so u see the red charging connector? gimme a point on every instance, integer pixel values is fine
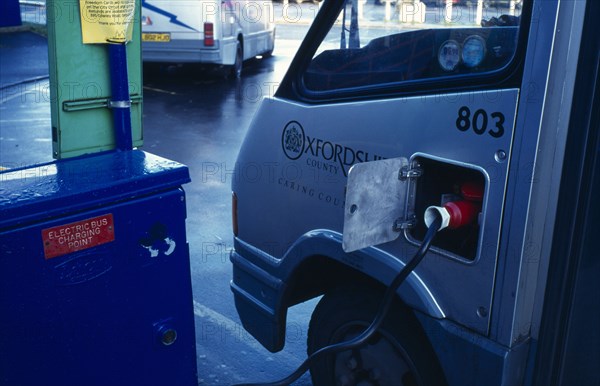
(456, 214)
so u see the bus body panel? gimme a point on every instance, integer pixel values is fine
(313, 177)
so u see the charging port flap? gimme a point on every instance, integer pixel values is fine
(378, 196)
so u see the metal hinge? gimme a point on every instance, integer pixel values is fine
(410, 172)
(405, 173)
(402, 224)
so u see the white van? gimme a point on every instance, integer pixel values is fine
(207, 31)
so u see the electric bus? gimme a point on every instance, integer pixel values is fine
(490, 117)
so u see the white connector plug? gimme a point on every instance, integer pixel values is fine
(432, 212)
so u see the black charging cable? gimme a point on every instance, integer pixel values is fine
(386, 304)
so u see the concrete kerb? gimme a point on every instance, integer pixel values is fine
(24, 81)
(39, 29)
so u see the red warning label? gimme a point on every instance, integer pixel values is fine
(77, 236)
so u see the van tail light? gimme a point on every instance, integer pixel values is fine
(234, 213)
(209, 34)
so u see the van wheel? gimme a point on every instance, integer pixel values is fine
(236, 69)
(399, 354)
(269, 53)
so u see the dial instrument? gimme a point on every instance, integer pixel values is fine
(473, 51)
(449, 55)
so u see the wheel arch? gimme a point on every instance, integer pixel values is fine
(317, 263)
(319, 274)
(265, 287)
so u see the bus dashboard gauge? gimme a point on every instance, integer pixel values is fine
(449, 55)
(473, 51)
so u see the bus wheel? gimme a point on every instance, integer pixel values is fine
(399, 354)
(236, 69)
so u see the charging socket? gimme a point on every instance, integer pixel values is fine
(447, 185)
(388, 198)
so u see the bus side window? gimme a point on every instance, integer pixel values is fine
(359, 53)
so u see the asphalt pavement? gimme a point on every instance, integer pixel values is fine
(24, 57)
(25, 129)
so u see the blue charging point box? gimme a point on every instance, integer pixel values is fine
(10, 13)
(95, 284)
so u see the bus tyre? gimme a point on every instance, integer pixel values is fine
(236, 69)
(399, 354)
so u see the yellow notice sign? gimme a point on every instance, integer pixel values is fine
(104, 21)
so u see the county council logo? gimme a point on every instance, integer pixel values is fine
(292, 140)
